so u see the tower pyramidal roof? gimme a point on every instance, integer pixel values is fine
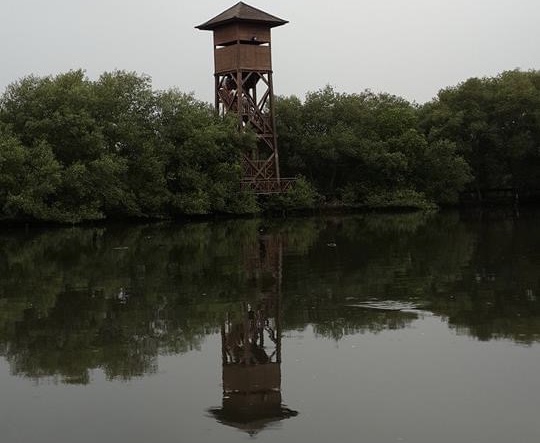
(242, 12)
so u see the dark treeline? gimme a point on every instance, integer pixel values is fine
(72, 149)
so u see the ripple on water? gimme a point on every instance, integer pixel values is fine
(386, 305)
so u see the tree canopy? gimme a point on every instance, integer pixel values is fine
(73, 149)
(367, 149)
(495, 124)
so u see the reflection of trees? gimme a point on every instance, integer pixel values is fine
(78, 299)
(86, 329)
(72, 300)
(409, 258)
(497, 294)
(350, 320)
(114, 298)
(482, 277)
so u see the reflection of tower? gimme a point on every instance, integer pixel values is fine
(251, 347)
(243, 86)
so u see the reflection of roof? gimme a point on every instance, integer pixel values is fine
(242, 12)
(252, 423)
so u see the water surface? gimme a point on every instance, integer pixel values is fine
(375, 328)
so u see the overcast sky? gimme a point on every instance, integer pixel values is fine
(410, 48)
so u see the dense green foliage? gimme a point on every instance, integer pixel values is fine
(367, 149)
(495, 123)
(72, 149)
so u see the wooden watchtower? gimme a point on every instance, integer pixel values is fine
(243, 86)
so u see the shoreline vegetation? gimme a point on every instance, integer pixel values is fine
(73, 150)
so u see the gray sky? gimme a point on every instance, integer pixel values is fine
(410, 48)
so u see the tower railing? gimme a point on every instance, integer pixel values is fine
(268, 186)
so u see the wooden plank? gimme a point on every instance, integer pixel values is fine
(242, 57)
(241, 32)
(255, 378)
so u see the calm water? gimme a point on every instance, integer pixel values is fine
(371, 328)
